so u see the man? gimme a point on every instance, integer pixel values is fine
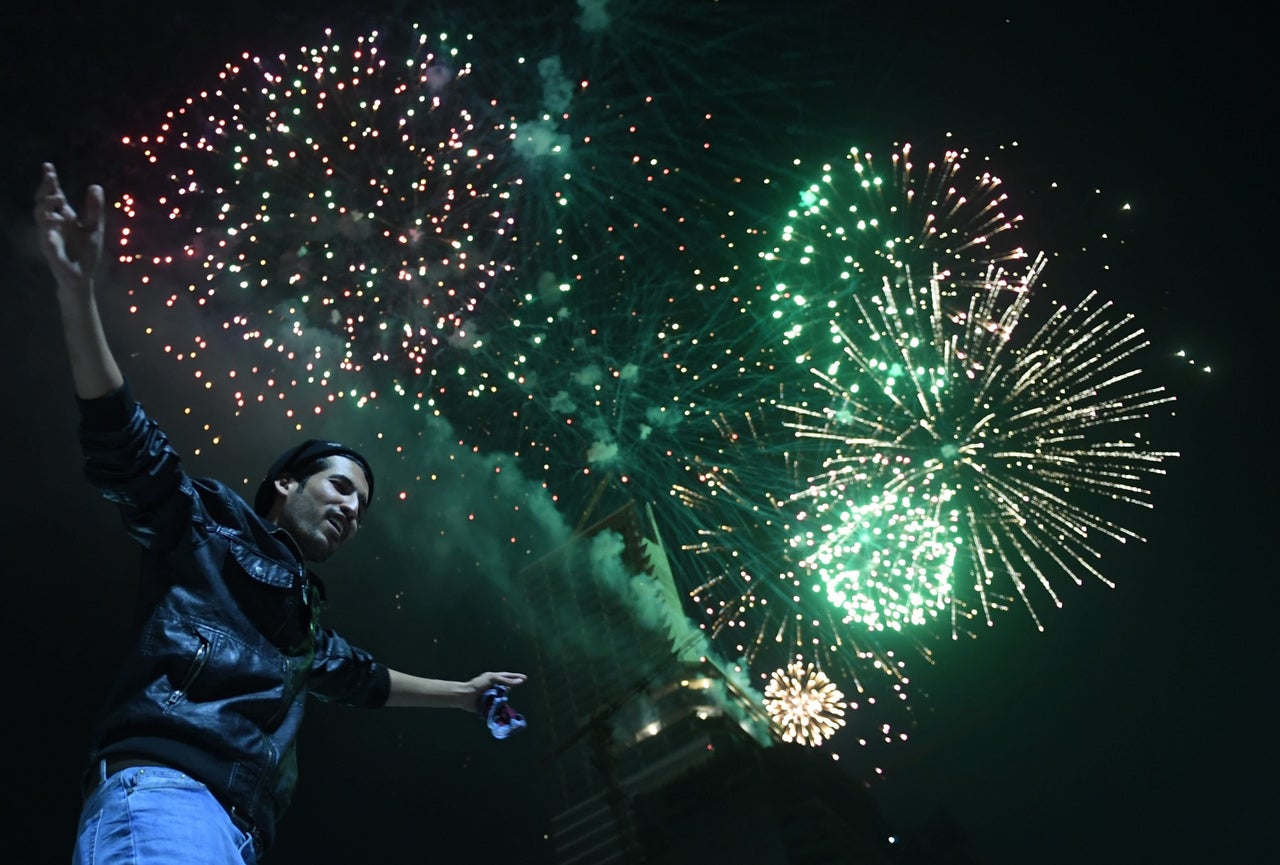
(194, 757)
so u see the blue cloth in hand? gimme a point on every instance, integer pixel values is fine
(498, 714)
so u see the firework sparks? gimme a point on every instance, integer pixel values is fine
(755, 598)
(955, 452)
(1005, 441)
(807, 706)
(885, 563)
(848, 424)
(857, 225)
(786, 572)
(339, 209)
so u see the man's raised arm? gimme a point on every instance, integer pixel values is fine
(72, 245)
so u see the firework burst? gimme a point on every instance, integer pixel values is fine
(335, 210)
(805, 705)
(903, 434)
(779, 571)
(858, 224)
(848, 423)
(755, 598)
(1001, 442)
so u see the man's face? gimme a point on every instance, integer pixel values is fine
(324, 512)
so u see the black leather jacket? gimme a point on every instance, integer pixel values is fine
(228, 641)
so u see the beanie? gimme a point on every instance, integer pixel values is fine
(299, 457)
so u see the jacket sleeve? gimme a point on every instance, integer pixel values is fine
(343, 673)
(130, 461)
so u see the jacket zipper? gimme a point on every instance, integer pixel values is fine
(197, 664)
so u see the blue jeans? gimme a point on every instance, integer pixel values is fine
(153, 815)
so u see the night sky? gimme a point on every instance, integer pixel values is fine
(1130, 729)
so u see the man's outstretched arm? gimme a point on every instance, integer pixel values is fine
(407, 690)
(72, 245)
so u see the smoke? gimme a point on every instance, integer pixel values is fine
(656, 605)
(562, 403)
(594, 17)
(463, 522)
(557, 90)
(602, 452)
(589, 376)
(542, 137)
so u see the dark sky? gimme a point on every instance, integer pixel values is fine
(1131, 729)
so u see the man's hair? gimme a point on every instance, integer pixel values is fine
(301, 462)
(302, 473)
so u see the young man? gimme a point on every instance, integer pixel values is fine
(193, 759)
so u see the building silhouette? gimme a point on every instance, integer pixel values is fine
(654, 749)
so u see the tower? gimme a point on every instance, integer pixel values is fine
(631, 694)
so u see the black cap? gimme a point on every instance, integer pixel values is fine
(299, 457)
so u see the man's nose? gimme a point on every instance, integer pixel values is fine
(351, 509)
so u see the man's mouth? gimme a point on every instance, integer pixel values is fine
(338, 526)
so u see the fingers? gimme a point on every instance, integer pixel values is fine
(508, 679)
(51, 205)
(93, 209)
(71, 243)
(48, 181)
(52, 208)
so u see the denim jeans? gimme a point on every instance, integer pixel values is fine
(153, 815)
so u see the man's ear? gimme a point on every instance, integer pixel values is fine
(284, 486)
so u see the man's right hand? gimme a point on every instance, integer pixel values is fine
(71, 242)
